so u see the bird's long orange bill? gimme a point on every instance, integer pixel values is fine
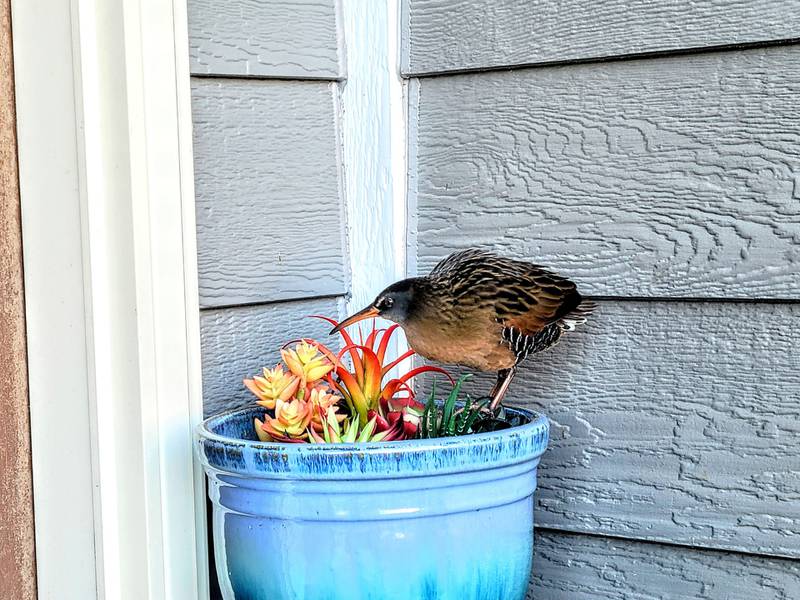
(367, 313)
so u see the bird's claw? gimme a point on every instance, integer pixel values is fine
(499, 411)
(492, 420)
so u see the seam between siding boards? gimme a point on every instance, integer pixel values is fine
(272, 302)
(264, 77)
(604, 59)
(664, 543)
(697, 299)
(655, 299)
(597, 298)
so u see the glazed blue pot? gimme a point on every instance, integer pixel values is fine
(444, 519)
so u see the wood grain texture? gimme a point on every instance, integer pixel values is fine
(443, 35)
(280, 38)
(270, 222)
(17, 548)
(677, 177)
(238, 342)
(672, 421)
(577, 567)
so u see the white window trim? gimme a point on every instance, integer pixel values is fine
(105, 149)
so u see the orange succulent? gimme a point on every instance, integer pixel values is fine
(306, 362)
(322, 401)
(290, 421)
(276, 384)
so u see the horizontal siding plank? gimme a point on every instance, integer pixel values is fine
(677, 177)
(576, 567)
(283, 38)
(268, 187)
(672, 421)
(238, 342)
(442, 35)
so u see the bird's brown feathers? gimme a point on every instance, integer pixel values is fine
(519, 294)
(490, 312)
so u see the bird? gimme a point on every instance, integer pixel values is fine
(482, 310)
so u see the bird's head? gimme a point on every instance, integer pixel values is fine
(394, 304)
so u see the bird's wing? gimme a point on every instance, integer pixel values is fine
(532, 302)
(459, 261)
(523, 295)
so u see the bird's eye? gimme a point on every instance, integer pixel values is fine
(385, 303)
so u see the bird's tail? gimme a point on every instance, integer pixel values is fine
(578, 315)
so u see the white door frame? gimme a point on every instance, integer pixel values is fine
(106, 185)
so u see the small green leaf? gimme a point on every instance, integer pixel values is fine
(378, 437)
(366, 433)
(428, 422)
(461, 419)
(448, 412)
(351, 433)
(449, 405)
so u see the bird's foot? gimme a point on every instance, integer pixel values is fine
(486, 402)
(491, 419)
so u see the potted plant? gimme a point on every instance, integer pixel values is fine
(338, 484)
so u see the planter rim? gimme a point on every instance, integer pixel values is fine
(406, 458)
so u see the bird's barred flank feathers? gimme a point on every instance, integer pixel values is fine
(519, 343)
(523, 345)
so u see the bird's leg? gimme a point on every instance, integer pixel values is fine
(500, 388)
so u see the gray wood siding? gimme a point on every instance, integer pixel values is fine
(676, 177)
(672, 421)
(443, 35)
(239, 342)
(651, 152)
(269, 190)
(269, 183)
(577, 567)
(283, 38)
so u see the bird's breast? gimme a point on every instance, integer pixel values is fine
(481, 350)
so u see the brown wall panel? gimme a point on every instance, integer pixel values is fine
(17, 568)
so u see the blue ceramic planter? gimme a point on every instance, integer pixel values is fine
(444, 519)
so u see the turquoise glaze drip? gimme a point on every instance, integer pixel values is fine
(444, 519)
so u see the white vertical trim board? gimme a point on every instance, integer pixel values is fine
(398, 120)
(111, 292)
(47, 131)
(373, 132)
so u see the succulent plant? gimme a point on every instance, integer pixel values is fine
(318, 396)
(275, 384)
(449, 419)
(299, 399)
(290, 423)
(346, 433)
(362, 385)
(306, 362)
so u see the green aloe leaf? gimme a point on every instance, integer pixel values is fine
(469, 425)
(448, 419)
(461, 418)
(428, 424)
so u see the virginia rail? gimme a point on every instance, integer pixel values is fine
(481, 310)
